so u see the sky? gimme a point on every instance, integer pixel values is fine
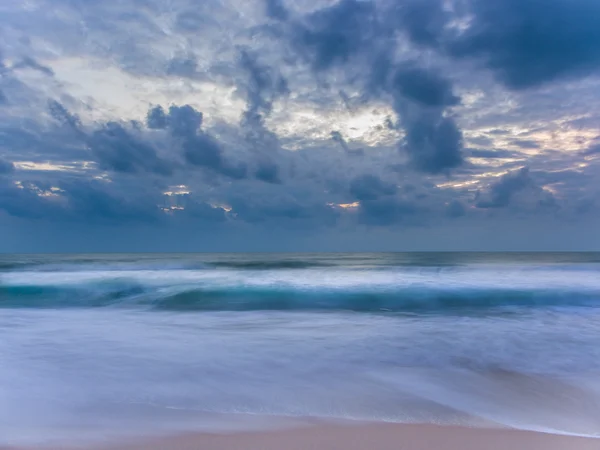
(299, 125)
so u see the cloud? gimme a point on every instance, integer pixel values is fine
(433, 140)
(6, 167)
(199, 148)
(370, 187)
(284, 209)
(491, 154)
(333, 35)
(92, 201)
(275, 9)
(268, 172)
(184, 121)
(118, 149)
(421, 20)
(592, 150)
(352, 34)
(30, 63)
(517, 183)
(250, 97)
(455, 209)
(525, 42)
(186, 67)
(263, 87)
(156, 119)
(387, 210)
(423, 86)
(63, 116)
(77, 200)
(25, 202)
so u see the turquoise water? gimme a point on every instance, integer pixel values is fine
(95, 345)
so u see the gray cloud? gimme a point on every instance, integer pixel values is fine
(119, 150)
(275, 9)
(114, 147)
(199, 148)
(370, 187)
(502, 193)
(186, 67)
(422, 86)
(528, 42)
(78, 200)
(455, 209)
(525, 43)
(433, 140)
(6, 167)
(332, 35)
(492, 154)
(352, 33)
(413, 56)
(30, 63)
(268, 172)
(263, 87)
(388, 210)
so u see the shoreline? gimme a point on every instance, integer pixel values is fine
(374, 436)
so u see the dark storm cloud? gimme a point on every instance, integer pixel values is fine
(283, 210)
(387, 210)
(503, 190)
(184, 121)
(117, 149)
(275, 9)
(333, 35)
(200, 210)
(520, 182)
(157, 119)
(268, 172)
(63, 116)
(199, 148)
(420, 20)
(525, 42)
(433, 140)
(530, 42)
(263, 87)
(92, 201)
(25, 203)
(352, 34)
(78, 200)
(114, 147)
(370, 187)
(354, 49)
(422, 86)
(455, 209)
(6, 167)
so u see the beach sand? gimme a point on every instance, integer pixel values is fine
(361, 437)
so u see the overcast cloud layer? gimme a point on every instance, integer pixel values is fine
(299, 125)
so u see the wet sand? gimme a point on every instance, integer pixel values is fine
(361, 437)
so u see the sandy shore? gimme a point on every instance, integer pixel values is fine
(363, 437)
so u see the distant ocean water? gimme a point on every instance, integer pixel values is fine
(96, 345)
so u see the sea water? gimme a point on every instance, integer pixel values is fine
(100, 346)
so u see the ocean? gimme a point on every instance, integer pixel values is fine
(95, 346)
